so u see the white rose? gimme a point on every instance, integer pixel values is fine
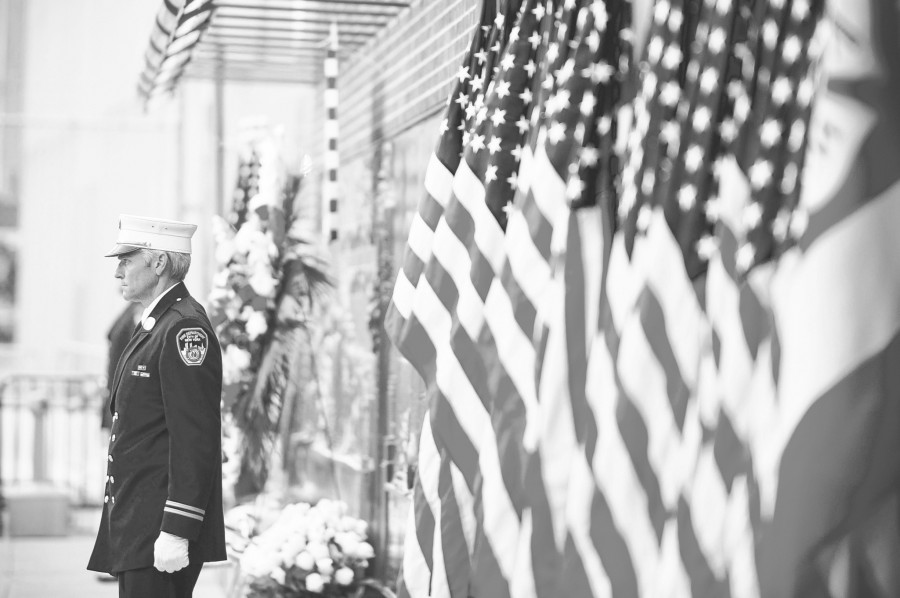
(234, 361)
(305, 561)
(347, 541)
(362, 527)
(292, 547)
(218, 295)
(232, 310)
(317, 549)
(278, 575)
(258, 562)
(315, 583)
(325, 566)
(224, 251)
(344, 576)
(316, 535)
(263, 283)
(256, 325)
(365, 551)
(250, 560)
(348, 523)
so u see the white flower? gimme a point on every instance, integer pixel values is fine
(278, 575)
(256, 324)
(317, 549)
(218, 295)
(365, 551)
(234, 362)
(232, 308)
(263, 283)
(225, 250)
(292, 547)
(305, 561)
(362, 527)
(316, 532)
(258, 561)
(325, 566)
(348, 541)
(344, 576)
(315, 583)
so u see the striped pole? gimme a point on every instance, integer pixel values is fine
(329, 188)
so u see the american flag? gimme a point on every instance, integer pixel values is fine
(433, 558)
(466, 514)
(555, 244)
(666, 377)
(663, 368)
(828, 460)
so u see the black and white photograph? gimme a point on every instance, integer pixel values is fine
(449, 299)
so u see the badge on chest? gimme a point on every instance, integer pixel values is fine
(192, 345)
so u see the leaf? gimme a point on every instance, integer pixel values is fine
(258, 408)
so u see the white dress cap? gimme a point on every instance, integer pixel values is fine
(138, 232)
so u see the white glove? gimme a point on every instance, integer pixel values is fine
(170, 553)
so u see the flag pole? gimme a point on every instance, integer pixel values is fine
(329, 187)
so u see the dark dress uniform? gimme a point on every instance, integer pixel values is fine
(165, 463)
(119, 336)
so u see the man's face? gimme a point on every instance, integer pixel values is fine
(138, 277)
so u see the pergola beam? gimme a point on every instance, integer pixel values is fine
(282, 40)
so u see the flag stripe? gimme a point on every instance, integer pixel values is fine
(831, 268)
(423, 359)
(582, 565)
(654, 322)
(849, 424)
(635, 438)
(426, 530)
(644, 382)
(459, 446)
(612, 549)
(703, 581)
(629, 497)
(415, 579)
(454, 548)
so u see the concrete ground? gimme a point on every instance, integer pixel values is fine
(53, 567)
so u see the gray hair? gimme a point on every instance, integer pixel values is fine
(179, 263)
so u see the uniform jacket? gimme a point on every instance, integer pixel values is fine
(164, 469)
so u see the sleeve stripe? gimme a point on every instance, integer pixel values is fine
(178, 505)
(182, 513)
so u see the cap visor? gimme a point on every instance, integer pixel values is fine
(122, 250)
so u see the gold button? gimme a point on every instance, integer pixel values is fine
(106, 499)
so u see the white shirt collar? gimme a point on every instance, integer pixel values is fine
(150, 307)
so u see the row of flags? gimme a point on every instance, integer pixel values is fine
(652, 288)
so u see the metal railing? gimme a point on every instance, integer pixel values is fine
(50, 433)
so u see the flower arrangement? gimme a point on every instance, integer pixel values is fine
(259, 306)
(307, 551)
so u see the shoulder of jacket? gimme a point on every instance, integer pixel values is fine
(189, 308)
(186, 317)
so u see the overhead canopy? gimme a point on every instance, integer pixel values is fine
(257, 40)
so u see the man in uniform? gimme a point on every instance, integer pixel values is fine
(162, 514)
